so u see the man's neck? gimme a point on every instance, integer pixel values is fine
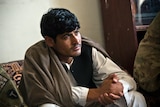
(66, 59)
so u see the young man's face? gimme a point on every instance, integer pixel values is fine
(68, 44)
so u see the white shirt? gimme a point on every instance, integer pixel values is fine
(102, 67)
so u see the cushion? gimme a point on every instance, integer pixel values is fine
(14, 70)
(147, 60)
(9, 91)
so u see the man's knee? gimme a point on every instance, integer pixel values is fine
(136, 99)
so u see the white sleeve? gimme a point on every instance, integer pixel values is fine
(48, 105)
(103, 67)
(80, 95)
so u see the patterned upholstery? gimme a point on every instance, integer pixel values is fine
(10, 76)
(14, 69)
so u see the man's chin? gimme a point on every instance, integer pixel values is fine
(76, 54)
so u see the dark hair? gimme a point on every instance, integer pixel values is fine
(58, 21)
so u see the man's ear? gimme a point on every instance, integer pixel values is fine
(49, 41)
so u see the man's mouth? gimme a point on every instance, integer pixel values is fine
(77, 47)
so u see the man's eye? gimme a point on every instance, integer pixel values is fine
(76, 32)
(66, 36)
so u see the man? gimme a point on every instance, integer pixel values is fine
(68, 70)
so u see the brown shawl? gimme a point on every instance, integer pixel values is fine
(44, 78)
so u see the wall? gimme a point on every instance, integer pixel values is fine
(89, 15)
(19, 23)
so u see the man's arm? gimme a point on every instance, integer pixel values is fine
(110, 90)
(103, 67)
(121, 81)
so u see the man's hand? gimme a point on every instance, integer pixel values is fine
(111, 90)
(112, 85)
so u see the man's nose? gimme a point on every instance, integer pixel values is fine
(75, 38)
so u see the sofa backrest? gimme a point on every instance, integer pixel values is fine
(10, 76)
(14, 69)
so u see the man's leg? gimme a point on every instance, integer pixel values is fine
(132, 99)
(118, 103)
(135, 99)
